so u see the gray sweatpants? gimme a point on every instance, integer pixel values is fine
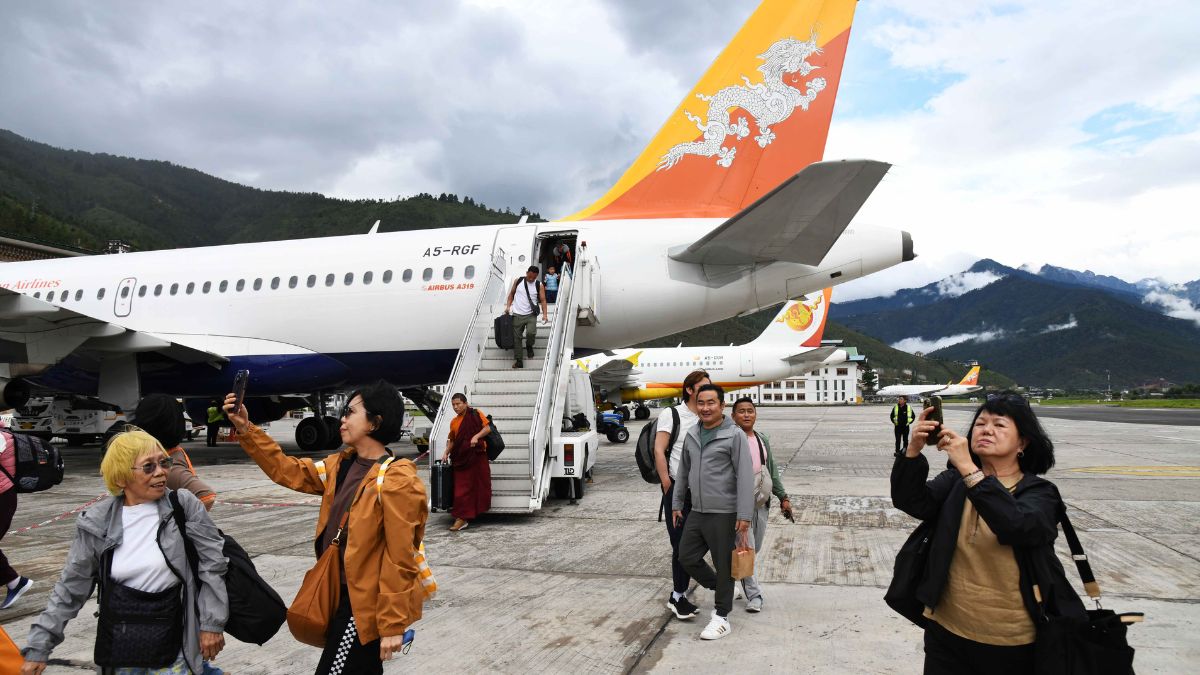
(759, 527)
(705, 533)
(526, 323)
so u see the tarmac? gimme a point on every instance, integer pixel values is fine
(581, 588)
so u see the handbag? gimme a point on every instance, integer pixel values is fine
(312, 609)
(762, 480)
(137, 628)
(908, 573)
(742, 564)
(10, 654)
(1095, 645)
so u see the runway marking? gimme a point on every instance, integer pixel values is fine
(1166, 471)
(59, 517)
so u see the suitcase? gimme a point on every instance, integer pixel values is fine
(441, 484)
(504, 331)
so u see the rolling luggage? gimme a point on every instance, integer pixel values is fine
(441, 486)
(504, 331)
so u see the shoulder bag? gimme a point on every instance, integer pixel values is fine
(1091, 645)
(762, 481)
(908, 573)
(137, 629)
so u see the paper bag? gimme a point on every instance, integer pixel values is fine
(743, 558)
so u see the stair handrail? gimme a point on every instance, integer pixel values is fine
(470, 353)
(542, 424)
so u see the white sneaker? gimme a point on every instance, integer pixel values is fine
(739, 593)
(717, 628)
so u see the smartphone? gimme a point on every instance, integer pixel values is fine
(789, 514)
(239, 388)
(934, 402)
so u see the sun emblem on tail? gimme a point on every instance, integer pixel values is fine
(769, 102)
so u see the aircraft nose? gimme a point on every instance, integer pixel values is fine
(907, 246)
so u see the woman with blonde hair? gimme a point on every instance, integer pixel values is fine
(132, 547)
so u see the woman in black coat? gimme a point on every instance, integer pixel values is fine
(992, 552)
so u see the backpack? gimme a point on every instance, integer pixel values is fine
(39, 465)
(495, 442)
(255, 610)
(643, 450)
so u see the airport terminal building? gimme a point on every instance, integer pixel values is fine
(830, 384)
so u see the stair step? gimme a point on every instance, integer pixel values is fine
(502, 363)
(508, 387)
(505, 405)
(508, 375)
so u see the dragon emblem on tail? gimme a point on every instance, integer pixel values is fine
(770, 102)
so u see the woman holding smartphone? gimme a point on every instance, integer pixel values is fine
(381, 593)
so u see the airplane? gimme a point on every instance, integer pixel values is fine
(969, 384)
(789, 345)
(707, 223)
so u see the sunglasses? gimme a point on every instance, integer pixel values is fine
(150, 467)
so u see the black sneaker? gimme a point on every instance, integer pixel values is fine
(529, 352)
(16, 592)
(682, 608)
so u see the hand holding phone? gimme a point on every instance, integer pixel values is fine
(935, 415)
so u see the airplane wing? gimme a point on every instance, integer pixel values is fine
(37, 334)
(615, 374)
(799, 221)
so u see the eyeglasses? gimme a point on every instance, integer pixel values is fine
(150, 467)
(347, 410)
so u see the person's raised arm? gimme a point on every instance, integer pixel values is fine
(299, 474)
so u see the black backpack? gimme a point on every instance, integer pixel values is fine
(39, 465)
(495, 442)
(643, 450)
(255, 610)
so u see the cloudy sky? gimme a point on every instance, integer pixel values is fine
(1027, 131)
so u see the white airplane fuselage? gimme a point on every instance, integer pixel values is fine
(298, 334)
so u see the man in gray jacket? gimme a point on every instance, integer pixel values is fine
(717, 469)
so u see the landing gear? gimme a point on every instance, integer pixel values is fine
(334, 427)
(623, 411)
(641, 412)
(312, 434)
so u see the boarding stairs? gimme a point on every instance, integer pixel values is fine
(526, 404)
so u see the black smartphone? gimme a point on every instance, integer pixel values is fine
(934, 402)
(239, 388)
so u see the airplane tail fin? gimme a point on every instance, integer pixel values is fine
(972, 377)
(800, 323)
(758, 116)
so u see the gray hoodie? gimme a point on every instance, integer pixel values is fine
(99, 529)
(720, 474)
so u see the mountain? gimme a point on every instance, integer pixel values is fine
(82, 199)
(1046, 333)
(978, 275)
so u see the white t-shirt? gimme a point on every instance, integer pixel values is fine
(521, 301)
(138, 562)
(687, 420)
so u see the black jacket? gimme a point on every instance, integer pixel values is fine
(1026, 519)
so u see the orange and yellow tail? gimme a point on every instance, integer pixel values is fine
(758, 116)
(972, 377)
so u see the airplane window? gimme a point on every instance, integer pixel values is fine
(274, 283)
(223, 286)
(469, 272)
(367, 277)
(387, 276)
(407, 276)
(125, 292)
(142, 291)
(38, 295)
(207, 286)
(241, 284)
(258, 284)
(157, 290)
(427, 274)
(50, 296)
(174, 289)
(312, 280)
(448, 273)
(100, 294)
(348, 279)
(190, 287)
(329, 279)
(292, 281)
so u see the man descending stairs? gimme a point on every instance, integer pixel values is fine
(524, 299)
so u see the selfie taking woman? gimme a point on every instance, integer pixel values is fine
(996, 522)
(131, 544)
(383, 507)
(468, 457)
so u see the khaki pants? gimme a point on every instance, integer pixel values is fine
(523, 323)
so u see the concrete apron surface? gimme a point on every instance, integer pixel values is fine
(582, 588)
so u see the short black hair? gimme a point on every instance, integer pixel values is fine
(161, 416)
(532, 268)
(744, 399)
(459, 397)
(385, 408)
(712, 387)
(1038, 456)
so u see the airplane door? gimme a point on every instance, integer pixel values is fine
(123, 302)
(517, 243)
(747, 363)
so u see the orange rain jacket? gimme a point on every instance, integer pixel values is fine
(382, 533)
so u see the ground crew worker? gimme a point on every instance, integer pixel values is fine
(902, 417)
(214, 423)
